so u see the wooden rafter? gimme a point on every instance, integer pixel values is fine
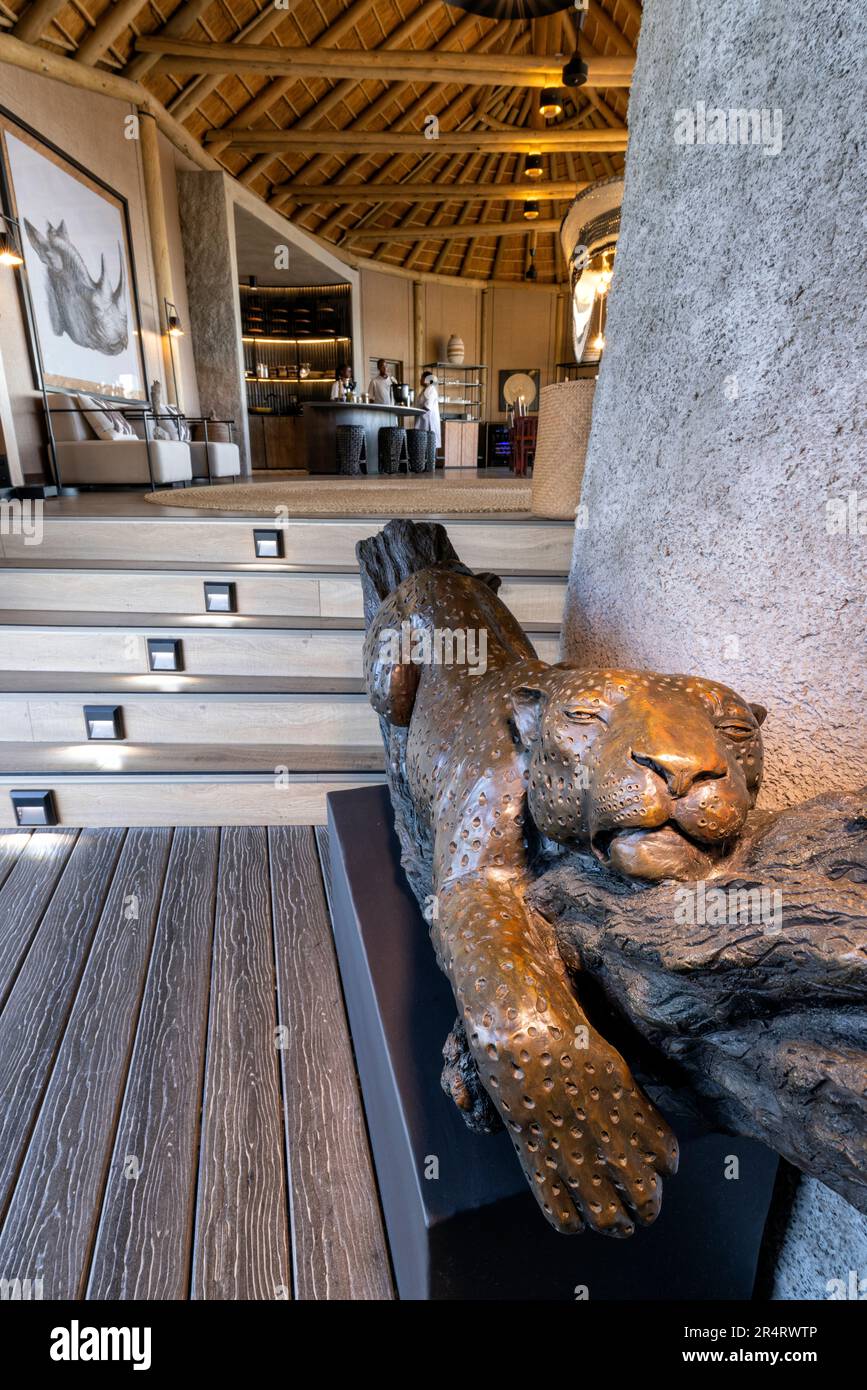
(321, 107)
(184, 56)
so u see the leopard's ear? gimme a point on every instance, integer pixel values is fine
(760, 712)
(528, 702)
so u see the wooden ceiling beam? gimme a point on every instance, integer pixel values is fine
(611, 139)
(262, 104)
(433, 65)
(454, 231)
(36, 19)
(183, 21)
(416, 192)
(107, 30)
(419, 106)
(258, 28)
(606, 25)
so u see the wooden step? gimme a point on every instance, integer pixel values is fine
(208, 646)
(59, 761)
(184, 799)
(525, 545)
(334, 720)
(536, 601)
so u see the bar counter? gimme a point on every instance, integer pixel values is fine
(310, 440)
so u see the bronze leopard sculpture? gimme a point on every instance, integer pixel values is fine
(655, 774)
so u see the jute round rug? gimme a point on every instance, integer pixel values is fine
(377, 496)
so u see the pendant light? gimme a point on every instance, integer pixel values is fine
(531, 209)
(550, 102)
(533, 166)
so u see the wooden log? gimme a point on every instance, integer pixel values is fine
(416, 192)
(418, 325)
(47, 64)
(36, 19)
(109, 27)
(336, 141)
(531, 70)
(455, 231)
(753, 982)
(156, 212)
(184, 19)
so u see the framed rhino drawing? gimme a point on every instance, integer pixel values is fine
(75, 238)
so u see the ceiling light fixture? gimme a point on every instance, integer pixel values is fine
(533, 166)
(575, 70)
(550, 103)
(531, 210)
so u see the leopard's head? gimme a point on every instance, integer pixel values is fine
(656, 773)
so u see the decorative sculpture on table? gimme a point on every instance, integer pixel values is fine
(651, 779)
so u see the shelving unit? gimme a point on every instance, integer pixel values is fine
(294, 339)
(461, 391)
(468, 380)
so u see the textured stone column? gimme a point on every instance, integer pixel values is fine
(728, 426)
(208, 231)
(724, 485)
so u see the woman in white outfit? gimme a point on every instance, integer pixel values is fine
(429, 402)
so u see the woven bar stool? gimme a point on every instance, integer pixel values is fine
(392, 449)
(351, 450)
(431, 452)
(419, 445)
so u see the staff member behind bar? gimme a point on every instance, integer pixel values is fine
(380, 386)
(342, 383)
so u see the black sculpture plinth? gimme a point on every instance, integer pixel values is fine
(474, 1231)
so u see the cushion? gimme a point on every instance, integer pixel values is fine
(105, 422)
(176, 427)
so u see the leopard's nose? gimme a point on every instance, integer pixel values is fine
(680, 771)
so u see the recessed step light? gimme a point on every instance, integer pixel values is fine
(269, 544)
(34, 808)
(220, 598)
(165, 654)
(104, 722)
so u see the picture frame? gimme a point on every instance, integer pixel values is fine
(79, 288)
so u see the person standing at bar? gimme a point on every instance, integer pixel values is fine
(342, 383)
(429, 401)
(379, 389)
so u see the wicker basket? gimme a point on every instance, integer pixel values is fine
(561, 448)
(217, 434)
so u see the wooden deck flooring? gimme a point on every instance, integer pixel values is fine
(179, 1111)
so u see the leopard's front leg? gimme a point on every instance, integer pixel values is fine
(591, 1144)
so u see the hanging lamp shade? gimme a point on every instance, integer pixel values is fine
(550, 102)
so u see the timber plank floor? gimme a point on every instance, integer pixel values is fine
(179, 1110)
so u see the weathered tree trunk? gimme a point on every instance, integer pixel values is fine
(763, 1010)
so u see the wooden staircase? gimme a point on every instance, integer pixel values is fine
(265, 711)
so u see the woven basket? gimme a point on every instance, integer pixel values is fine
(561, 448)
(217, 434)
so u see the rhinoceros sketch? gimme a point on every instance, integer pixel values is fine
(92, 313)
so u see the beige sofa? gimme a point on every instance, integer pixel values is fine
(85, 460)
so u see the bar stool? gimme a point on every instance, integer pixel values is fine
(351, 450)
(419, 444)
(392, 449)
